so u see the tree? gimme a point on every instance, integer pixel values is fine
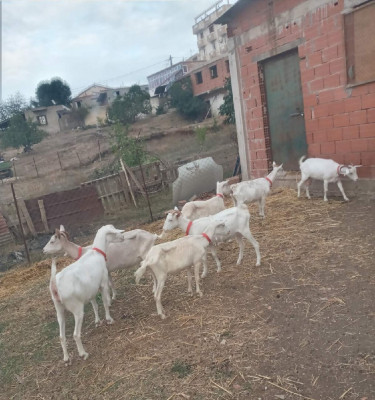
(55, 91)
(21, 133)
(13, 105)
(227, 108)
(126, 108)
(182, 97)
(129, 149)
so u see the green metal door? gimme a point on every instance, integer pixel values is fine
(282, 80)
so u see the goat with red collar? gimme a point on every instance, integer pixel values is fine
(327, 171)
(237, 226)
(255, 190)
(175, 256)
(78, 283)
(126, 254)
(203, 208)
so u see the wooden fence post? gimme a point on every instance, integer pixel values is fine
(127, 180)
(43, 215)
(36, 169)
(26, 214)
(58, 156)
(100, 154)
(20, 222)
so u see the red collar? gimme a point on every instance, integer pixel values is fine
(207, 237)
(220, 195)
(188, 227)
(101, 252)
(79, 253)
(269, 180)
(339, 169)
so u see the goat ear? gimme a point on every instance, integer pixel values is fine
(62, 229)
(176, 208)
(57, 233)
(274, 164)
(344, 170)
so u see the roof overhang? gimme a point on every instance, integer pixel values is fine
(231, 12)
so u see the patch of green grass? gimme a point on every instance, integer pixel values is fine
(3, 325)
(181, 368)
(50, 329)
(9, 366)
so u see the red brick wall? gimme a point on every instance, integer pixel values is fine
(208, 83)
(339, 121)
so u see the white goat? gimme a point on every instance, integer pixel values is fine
(255, 190)
(129, 253)
(79, 283)
(236, 221)
(327, 171)
(203, 208)
(174, 256)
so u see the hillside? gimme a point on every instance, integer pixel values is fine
(65, 160)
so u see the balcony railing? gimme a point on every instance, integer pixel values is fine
(211, 37)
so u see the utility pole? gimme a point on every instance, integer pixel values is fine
(170, 60)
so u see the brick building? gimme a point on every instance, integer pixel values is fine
(303, 81)
(208, 82)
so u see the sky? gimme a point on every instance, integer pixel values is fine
(110, 42)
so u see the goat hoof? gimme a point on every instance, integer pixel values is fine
(84, 355)
(200, 294)
(110, 321)
(98, 323)
(68, 362)
(162, 316)
(257, 264)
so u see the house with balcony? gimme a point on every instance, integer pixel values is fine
(211, 37)
(159, 82)
(96, 99)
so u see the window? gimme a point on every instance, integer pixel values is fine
(201, 35)
(184, 69)
(227, 66)
(213, 72)
(214, 45)
(117, 93)
(198, 78)
(211, 28)
(78, 104)
(42, 119)
(360, 51)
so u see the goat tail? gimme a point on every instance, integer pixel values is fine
(301, 160)
(140, 272)
(53, 284)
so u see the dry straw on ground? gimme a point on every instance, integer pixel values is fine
(283, 329)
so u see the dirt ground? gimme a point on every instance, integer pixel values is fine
(301, 326)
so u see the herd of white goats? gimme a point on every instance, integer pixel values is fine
(205, 223)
